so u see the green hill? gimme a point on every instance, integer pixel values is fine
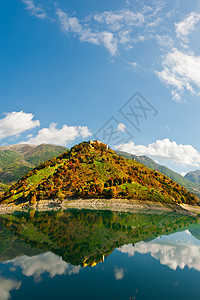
(192, 185)
(90, 170)
(193, 176)
(17, 160)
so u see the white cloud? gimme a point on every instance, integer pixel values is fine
(112, 29)
(116, 30)
(181, 71)
(155, 23)
(176, 96)
(133, 65)
(126, 23)
(85, 34)
(167, 150)
(177, 250)
(121, 127)
(7, 285)
(84, 131)
(116, 20)
(165, 41)
(53, 135)
(118, 273)
(185, 27)
(109, 42)
(47, 262)
(35, 10)
(15, 123)
(180, 68)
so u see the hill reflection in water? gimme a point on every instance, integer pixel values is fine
(85, 237)
(55, 247)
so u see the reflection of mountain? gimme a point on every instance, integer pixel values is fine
(85, 237)
(177, 250)
(11, 246)
(195, 231)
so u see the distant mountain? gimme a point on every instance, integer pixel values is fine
(192, 185)
(193, 176)
(90, 170)
(17, 160)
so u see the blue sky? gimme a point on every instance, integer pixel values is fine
(68, 67)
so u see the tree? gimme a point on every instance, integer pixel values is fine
(33, 199)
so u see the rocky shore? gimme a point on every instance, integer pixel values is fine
(125, 205)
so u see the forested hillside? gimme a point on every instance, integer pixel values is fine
(93, 171)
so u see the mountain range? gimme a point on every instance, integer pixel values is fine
(90, 170)
(193, 176)
(191, 180)
(17, 160)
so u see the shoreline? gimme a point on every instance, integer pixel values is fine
(123, 205)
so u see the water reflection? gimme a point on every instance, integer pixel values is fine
(176, 250)
(6, 286)
(47, 262)
(119, 273)
(59, 248)
(83, 237)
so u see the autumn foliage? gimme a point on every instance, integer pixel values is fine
(92, 171)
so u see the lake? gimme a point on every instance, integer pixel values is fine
(88, 254)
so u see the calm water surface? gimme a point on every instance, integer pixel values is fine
(83, 254)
